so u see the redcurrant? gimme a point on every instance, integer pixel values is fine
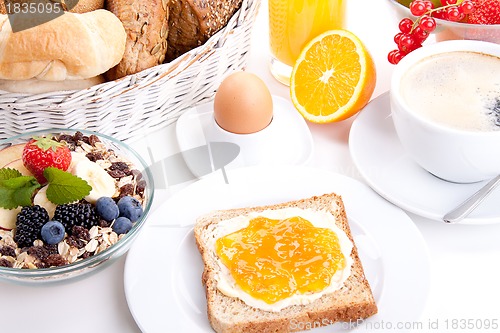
(397, 37)
(395, 56)
(466, 7)
(406, 43)
(428, 5)
(418, 7)
(405, 25)
(427, 23)
(453, 14)
(419, 35)
(440, 14)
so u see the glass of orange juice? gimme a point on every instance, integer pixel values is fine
(293, 23)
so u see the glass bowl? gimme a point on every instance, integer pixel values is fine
(447, 30)
(94, 263)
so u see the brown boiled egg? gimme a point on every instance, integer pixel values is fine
(243, 104)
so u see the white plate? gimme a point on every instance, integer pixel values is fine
(287, 140)
(389, 170)
(163, 268)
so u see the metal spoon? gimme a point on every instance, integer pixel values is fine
(466, 207)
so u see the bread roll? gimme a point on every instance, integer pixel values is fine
(35, 86)
(72, 46)
(146, 24)
(82, 6)
(193, 22)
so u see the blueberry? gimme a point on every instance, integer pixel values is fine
(52, 232)
(130, 208)
(107, 208)
(122, 225)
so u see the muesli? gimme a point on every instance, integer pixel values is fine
(63, 199)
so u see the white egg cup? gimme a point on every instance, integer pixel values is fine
(254, 147)
(285, 141)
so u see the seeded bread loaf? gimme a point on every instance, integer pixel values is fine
(227, 314)
(193, 22)
(146, 24)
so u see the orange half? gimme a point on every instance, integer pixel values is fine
(333, 77)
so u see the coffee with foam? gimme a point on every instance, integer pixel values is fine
(459, 89)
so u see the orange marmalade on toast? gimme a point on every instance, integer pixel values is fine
(283, 257)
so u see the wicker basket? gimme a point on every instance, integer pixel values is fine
(130, 107)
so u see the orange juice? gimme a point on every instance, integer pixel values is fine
(292, 23)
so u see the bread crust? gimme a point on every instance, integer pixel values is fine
(85, 6)
(352, 302)
(72, 46)
(193, 22)
(146, 23)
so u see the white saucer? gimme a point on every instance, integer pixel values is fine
(387, 168)
(286, 141)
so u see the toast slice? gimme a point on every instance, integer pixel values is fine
(229, 314)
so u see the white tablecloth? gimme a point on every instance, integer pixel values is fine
(465, 259)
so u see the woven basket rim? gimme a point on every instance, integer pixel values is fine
(140, 80)
(146, 101)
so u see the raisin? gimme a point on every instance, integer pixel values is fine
(93, 139)
(116, 173)
(127, 189)
(80, 236)
(75, 242)
(85, 255)
(81, 233)
(5, 263)
(141, 186)
(122, 166)
(52, 248)
(41, 264)
(94, 156)
(39, 252)
(65, 137)
(85, 139)
(78, 136)
(104, 224)
(136, 173)
(55, 260)
(7, 251)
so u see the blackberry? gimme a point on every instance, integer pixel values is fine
(79, 214)
(29, 222)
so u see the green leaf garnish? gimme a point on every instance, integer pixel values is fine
(15, 189)
(8, 173)
(64, 187)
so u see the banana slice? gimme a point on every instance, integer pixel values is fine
(8, 218)
(103, 185)
(42, 200)
(75, 159)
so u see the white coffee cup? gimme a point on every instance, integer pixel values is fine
(448, 152)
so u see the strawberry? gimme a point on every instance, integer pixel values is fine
(485, 12)
(40, 153)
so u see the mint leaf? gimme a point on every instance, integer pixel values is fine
(8, 173)
(17, 191)
(64, 187)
